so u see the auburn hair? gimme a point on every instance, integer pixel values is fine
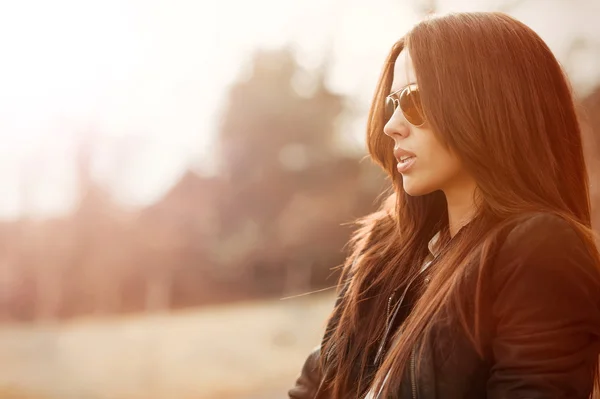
(492, 92)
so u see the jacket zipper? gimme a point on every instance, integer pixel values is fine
(413, 375)
(389, 323)
(381, 351)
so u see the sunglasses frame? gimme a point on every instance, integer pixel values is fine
(396, 102)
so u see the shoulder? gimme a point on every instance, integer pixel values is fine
(537, 234)
(543, 246)
(540, 227)
(544, 310)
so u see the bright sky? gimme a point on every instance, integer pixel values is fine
(146, 78)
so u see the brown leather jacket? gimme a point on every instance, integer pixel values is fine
(544, 327)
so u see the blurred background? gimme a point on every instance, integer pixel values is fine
(177, 175)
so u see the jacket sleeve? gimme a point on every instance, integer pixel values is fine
(308, 382)
(546, 310)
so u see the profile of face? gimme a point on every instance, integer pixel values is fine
(425, 163)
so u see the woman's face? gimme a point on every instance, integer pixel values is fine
(432, 166)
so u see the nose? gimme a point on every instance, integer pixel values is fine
(397, 126)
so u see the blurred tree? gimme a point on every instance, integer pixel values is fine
(287, 186)
(270, 135)
(271, 132)
(93, 273)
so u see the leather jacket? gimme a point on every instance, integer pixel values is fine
(543, 327)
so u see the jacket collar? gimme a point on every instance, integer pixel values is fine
(433, 245)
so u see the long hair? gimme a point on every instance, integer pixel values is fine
(493, 93)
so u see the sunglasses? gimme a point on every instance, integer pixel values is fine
(409, 101)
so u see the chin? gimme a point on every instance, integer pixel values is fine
(414, 189)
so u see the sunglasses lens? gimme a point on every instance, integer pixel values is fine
(410, 103)
(390, 107)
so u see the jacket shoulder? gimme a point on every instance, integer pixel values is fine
(543, 248)
(543, 235)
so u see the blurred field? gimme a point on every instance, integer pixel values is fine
(251, 350)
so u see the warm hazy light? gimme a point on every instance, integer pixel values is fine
(158, 296)
(155, 71)
(147, 80)
(115, 68)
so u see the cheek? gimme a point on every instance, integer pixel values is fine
(445, 167)
(438, 155)
(436, 167)
(444, 163)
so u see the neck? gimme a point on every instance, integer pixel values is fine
(461, 205)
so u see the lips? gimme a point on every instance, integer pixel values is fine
(406, 160)
(402, 155)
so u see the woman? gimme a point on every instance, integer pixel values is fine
(479, 277)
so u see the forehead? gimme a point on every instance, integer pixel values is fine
(404, 73)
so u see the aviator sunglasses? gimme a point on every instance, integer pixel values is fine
(409, 102)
